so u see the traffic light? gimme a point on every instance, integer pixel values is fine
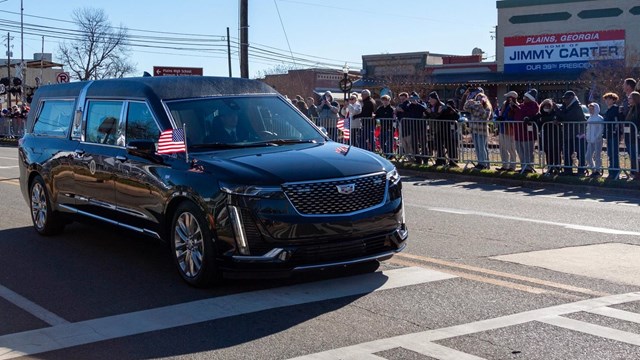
(5, 81)
(17, 81)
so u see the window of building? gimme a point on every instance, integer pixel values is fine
(54, 119)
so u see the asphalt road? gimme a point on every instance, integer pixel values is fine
(491, 272)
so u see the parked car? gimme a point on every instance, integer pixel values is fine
(236, 179)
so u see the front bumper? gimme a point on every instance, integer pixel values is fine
(287, 260)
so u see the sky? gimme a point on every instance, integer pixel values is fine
(323, 34)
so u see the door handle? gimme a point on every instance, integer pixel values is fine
(121, 158)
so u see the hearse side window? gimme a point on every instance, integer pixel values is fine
(54, 119)
(140, 123)
(102, 122)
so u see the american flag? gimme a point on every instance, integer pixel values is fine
(343, 150)
(171, 141)
(345, 127)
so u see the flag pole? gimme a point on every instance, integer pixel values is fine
(186, 148)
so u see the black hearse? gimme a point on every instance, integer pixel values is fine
(243, 184)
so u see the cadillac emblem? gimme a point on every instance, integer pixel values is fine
(346, 189)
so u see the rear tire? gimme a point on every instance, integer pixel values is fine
(45, 220)
(192, 246)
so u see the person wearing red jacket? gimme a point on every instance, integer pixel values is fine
(525, 136)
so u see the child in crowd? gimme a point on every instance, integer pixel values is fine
(595, 128)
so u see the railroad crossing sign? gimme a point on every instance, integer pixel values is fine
(63, 77)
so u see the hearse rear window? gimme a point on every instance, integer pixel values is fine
(54, 119)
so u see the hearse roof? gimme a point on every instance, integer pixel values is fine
(163, 88)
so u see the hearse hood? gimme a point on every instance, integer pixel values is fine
(290, 163)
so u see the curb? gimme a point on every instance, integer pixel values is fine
(549, 185)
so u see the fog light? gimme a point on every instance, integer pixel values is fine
(238, 229)
(284, 256)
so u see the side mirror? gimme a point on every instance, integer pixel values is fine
(141, 147)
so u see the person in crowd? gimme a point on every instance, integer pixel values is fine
(384, 115)
(612, 133)
(420, 138)
(350, 111)
(408, 112)
(506, 132)
(524, 137)
(595, 129)
(572, 119)
(480, 109)
(551, 134)
(451, 113)
(302, 105)
(328, 114)
(633, 116)
(366, 119)
(312, 109)
(628, 86)
(439, 128)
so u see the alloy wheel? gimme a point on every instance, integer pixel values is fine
(38, 205)
(189, 244)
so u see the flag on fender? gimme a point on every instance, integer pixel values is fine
(171, 141)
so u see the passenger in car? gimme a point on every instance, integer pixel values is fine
(227, 127)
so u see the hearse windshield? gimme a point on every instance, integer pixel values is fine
(222, 123)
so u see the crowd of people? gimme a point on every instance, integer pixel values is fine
(572, 143)
(12, 120)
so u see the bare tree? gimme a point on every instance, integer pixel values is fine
(604, 76)
(100, 50)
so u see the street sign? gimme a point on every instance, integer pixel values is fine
(63, 77)
(176, 71)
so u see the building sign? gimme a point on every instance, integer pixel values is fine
(562, 52)
(176, 71)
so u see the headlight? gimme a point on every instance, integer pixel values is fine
(393, 177)
(251, 190)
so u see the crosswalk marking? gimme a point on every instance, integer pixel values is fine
(617, 314)
(31, 307)
(593, 329)
(85, 332)
(423, 342)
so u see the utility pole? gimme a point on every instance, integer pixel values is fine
(23, 70)
(9, 69)
(229, 51)
(244, 39)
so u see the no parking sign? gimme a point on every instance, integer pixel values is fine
(63, 77)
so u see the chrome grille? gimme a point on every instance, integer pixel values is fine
(323, 198)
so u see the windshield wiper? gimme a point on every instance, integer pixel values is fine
(216, 145)
(277, 142)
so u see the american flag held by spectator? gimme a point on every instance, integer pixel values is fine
(344, 126)
(171, 141)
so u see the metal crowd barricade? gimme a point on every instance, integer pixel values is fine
(566, 146)
(429, 140)
(330, 125)
(505, 143)
(11, 127)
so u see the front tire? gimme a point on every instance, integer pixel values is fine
(191, 246)
(45, 220)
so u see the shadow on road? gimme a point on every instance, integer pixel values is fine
(577, 193)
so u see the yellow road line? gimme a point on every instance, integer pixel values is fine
(11, 181)
(505, 275)
(486, 280)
